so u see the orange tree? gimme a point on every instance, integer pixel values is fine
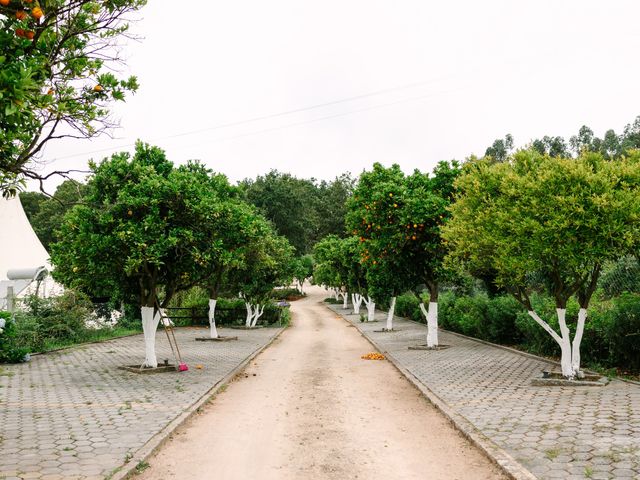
(422, 213)
(56, 76)
(374, 216)
(134, 233)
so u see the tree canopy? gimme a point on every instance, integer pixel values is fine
(57, 79)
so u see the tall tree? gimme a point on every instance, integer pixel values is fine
(133, 233)
(556, 218)
(56, 76)
(374, 217)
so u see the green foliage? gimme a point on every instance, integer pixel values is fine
(557, 219)
(623, 333)
(621, 276)
(10, 351)
(303, 268)
(45, 214)
(56, 75)
(135, 230)
(302, 210)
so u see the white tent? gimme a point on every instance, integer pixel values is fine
(20, 249)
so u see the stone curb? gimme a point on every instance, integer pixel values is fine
(128, 469)
(513, 469)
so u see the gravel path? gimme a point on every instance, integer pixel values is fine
(309, 407)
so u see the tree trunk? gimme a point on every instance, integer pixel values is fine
(371, 309)
(212, 318)
(249, 314)
(392, 308)
(301, 284)
(577, 339)
(570, 356)
(257, 314)
(150, 320)
(431, 316)
(345, 300)
(356, 299)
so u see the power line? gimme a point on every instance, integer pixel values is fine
(273, 115)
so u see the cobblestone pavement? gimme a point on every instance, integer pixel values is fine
(74, 414)
(555, 432)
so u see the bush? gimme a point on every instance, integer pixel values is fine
(53, 320)
(408, 305)
(10, 352)
(624, 333)
(286, 293)
(621, 276)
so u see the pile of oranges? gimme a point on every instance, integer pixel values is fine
(373, 356)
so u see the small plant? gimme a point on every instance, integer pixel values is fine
(10, 351)
(142, 466)
(362, 318)
(588, 472)
(552, 453)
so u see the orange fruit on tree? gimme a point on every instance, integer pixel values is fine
(30, 34)
(21, 14)
(36, 12)
(97, 88)
(19, 32)
(4, 3)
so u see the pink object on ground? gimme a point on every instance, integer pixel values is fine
(183, 367)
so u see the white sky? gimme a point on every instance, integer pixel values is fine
(486, 68)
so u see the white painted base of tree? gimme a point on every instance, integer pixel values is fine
(150, 321)
(569, 352)
(392, 309)
(371, 308)
(356, 300)
(213, 331)
(431, 316)
(345, 300)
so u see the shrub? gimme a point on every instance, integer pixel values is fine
(624, 333)
(621, 276)
(408, 305)
(10, 352)
(59, 319)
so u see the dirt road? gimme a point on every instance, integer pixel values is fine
(310, 408)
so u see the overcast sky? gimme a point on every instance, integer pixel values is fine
(445, 78)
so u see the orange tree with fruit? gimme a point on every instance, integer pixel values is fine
(375, 218)
(55, 80)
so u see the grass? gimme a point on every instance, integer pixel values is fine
(142, 466)
(588, 472)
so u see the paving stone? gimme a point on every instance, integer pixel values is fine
(555, 432)
(78, 399)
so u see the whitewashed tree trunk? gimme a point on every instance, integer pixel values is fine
(336, 293)
(431, 315)
(371, 309)
(392, 308)
(577, 339)
(212, 318)
(356, 299)
(149, 328)
(247, 322)
(257, 313)
(345, 300)
(567, 355)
